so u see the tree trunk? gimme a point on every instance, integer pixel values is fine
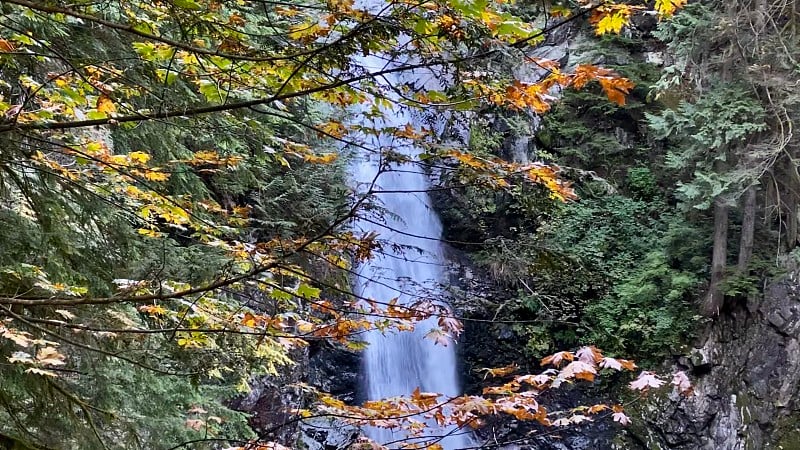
(791, 223)
(713, 301)
(748, 229)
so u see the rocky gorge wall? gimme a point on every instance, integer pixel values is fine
(746, 371)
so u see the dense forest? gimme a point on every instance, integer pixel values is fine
(280, 224)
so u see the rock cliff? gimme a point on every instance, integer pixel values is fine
(747, 370)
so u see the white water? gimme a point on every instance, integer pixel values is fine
(397, 363)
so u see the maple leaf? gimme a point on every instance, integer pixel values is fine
(611, 18)
(556, 358)
(594, 409)
(156, 174)
(326, 158)
(307, 32)
(506, 389)
(249, 320)
(537, 380)
(667, 8)
(682, 383)
(409, 132)
(105, 105)
(499, 371)
(424, 400)
(617, 364)
(645, 381)
(6, 46)
(616, 89)
(578, 370)
(333, 402)
(619, 415)
(451, 325)
(21, 357)
(49, 356)
(439, 336)
(43, 372)
(153, 310)
(20, 338)
(589, 355)
(139, 157)
(333, 128)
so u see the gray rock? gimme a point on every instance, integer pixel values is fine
(326, 434)
(746, 391)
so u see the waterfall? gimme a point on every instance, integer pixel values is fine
(396, 363)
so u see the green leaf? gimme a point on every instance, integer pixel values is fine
(278, 294)
(307, 291)
(187, 4)
(94, 114)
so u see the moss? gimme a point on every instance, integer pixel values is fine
(787, 432)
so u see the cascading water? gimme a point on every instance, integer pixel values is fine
(397, 363)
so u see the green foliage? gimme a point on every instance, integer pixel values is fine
(705, 136)
(82, 234)
(585, 132)
(650, 310)
(614, 271)
(124, 405)
(641, 183)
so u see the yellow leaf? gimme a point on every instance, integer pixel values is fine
(156, 175)
(304, 327)
(611, 18)
(105, 105)
(153, 310)
(96, 148)
(249, 320)
(139, 157)
(666, 8)
(611, 23)
(307, 31)
(149, 233)
(326, 158)
(330, 401)
(333, 128)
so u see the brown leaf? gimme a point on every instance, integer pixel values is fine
(49, 356)
(195, 424)
(6, 46)
(556, 358)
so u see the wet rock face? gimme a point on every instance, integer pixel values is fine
(747, 372)
(487, 343)
(326, 434)
(335, 370)
(330, 368)
(270, 399)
